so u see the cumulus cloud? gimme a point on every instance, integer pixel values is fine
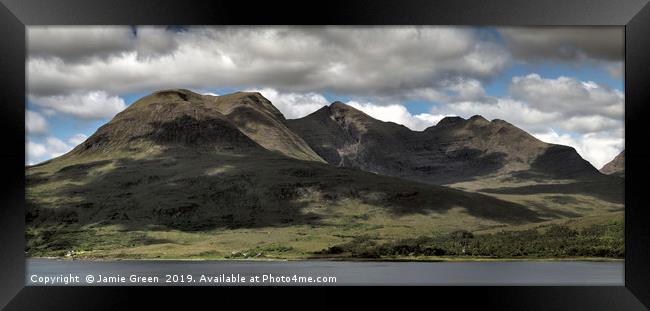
(597, 148)
(589, 124)
(570, 44)
(35, 123)
(51, 147)
(77, 139)
(91, 105)
(568, 95)
(34, 151)
(346, 60)
(398, 114)
(293, 105)
(513, 111)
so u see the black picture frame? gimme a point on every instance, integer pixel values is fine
(634, 15)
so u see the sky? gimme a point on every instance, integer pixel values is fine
(563, 85)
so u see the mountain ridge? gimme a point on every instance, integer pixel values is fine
(453, 150)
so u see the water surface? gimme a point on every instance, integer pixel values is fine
(210, 273)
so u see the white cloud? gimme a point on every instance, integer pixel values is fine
(34, 151)
(598, 149)
(77, 139)
(568, 95)
(467, 90)
(590, 124)
(56, 147)
(293, 105)
(91, 105)
(513, 111)
(398, 114)
(386, 61)
(51, 147)
(35, 123)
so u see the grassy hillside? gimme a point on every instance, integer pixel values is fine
(172, 205)
(195, 194)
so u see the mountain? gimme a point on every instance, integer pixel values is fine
(183, 175)
(239, 122)
(453, 150)
(616, 166)
(177, 161)
(345, 136)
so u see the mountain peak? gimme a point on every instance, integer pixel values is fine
(180, 93)
(341, 106)
(248, 94)
(342, 109)
(456, 120)
(478, 119)
(256, 97)
(449, 121)
(325, 110)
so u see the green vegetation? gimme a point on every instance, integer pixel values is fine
(593, 237)
(556, 241)
(170, 206)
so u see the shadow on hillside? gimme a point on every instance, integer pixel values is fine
(563, 162)
(198, 134)
(203, 193)
(167, 192)
(610, 189)
(188, 188)
(455, 166)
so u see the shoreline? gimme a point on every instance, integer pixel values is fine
(339, 259)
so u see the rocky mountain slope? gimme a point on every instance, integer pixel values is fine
(615, 166)
(453, 150)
